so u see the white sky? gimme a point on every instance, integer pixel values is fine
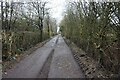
(57, 7)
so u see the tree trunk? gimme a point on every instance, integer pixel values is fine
(41, 30)
(2, 17)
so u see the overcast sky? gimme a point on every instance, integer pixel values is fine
(57, 7)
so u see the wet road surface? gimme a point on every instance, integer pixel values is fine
(53, 60)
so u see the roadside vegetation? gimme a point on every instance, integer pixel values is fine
(95, 27)
(23, 26)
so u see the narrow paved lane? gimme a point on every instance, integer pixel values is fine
(53, 60)
(63, 64)
(31, 66)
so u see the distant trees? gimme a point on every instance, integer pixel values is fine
(50, 25)
(40, 13)
(94, 27)
(23, 26)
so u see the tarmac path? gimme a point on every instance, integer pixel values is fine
(53, 60)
